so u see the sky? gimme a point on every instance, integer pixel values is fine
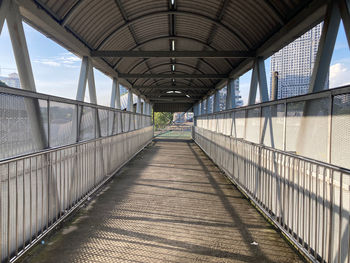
(56, 70)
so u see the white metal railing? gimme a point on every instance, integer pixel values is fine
(313, 125)
(60, 122)
(42, 183)
(39, 190)
(308, 199)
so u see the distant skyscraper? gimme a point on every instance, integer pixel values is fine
(294, 64)
(12, 80)
(223, 93)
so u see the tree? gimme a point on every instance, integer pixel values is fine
(3, 84)
(162, 119)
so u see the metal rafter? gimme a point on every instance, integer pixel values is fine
(275, 12)
(169, 38)
(169, 72)
(169, 63)
(204, 61)
(174, 99)
(172, 54)
(182, 64)
(173, 76)
(177, 86)
(71, 12)
(130, 27)
(240, 37)
(213, 29)
(161, 82)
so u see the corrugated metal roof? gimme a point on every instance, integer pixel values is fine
(149, 25)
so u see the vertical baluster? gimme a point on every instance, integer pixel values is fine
(16, 193)
(340, 217)
(23, 206)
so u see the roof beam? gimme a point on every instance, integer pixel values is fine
(173, 76)
(174, 99)
(170, 87)
(172, 54)
(239, 36)
(198, 41)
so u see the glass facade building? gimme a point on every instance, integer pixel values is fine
(294, 64)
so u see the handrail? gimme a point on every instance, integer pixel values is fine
(63, 147)
(305, 198)
(310, 96)
(37, 95)
(290, 154)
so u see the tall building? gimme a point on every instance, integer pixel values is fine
(223, 94)
(12, 80)
(294, 64)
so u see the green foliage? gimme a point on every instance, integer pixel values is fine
(3, 84)
(162, 119)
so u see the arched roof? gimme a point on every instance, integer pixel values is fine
(193, 25)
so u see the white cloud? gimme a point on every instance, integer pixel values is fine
(65, 60)
(50, 63)
(339, 75)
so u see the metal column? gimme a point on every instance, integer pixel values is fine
(216, 107)
(202, 107)
(20, 50)
(207, 106)
(231, 94)
(325, 48)
(4, 6)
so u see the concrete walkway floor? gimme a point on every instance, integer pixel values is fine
(169, 204)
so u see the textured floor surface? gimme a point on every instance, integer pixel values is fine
(169, 204)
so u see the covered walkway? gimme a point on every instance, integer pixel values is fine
(169, 204)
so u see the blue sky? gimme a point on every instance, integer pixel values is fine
(56, 70)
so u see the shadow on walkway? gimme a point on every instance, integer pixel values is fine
(169, 204)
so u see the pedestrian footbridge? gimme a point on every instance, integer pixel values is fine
(264, 182)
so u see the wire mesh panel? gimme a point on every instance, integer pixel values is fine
(132, 122)
(111, 122)
(87, 123)
(293, 124)
(312, 139)
(220, 122)
(120, 120)
(341, 131)
(252, 132)
(227, 123)
(17, 133)
(239, 124)
(273, 125)
(126, 122)
(63, 121)
(103, 118)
